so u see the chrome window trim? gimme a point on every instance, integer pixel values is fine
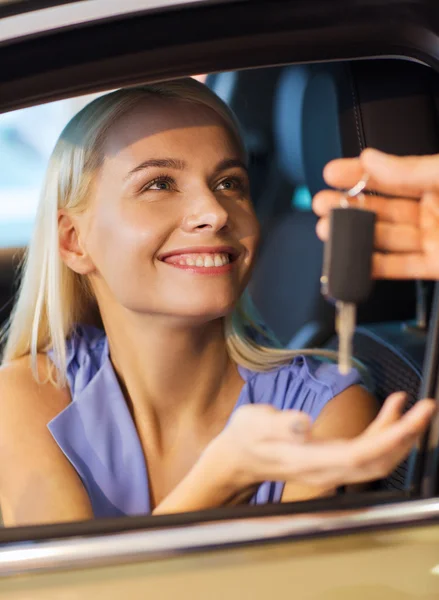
(134, 546)
(75, 13)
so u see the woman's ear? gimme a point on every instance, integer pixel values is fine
(71, 250)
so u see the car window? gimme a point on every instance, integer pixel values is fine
(284, 288)
(27, 138)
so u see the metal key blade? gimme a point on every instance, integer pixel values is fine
(345, 326)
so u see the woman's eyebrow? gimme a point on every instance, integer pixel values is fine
(161, 163)
(230, 163)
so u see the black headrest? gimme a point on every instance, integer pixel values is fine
(337, 109)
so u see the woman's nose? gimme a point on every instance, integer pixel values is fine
(206, 213)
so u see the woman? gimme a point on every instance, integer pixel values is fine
(146, 229)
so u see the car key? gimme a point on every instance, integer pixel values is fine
(347, 265)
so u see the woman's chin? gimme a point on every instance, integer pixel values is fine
(205, 314)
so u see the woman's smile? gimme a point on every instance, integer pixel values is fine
(203, 260)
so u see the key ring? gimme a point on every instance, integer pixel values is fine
(355, 192)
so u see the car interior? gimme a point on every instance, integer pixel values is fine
(294, 119)
(317, 113)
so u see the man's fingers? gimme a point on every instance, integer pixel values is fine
(398, 210)
(402, 175)
(408, 176)
(343, 173)
(403, 266)
(397, 238)
(389, 237)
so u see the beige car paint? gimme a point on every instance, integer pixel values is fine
(392, 565)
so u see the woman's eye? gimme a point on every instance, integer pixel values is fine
(160, 184)
(231, 183)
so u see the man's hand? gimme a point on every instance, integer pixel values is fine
(407, 229)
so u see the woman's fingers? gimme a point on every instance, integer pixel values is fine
(291, 426)
(388, 237)
(395, 210)
(390, 412)
(410, 426)
(266, 423)
(367, 457)
(280, 445)
(408, 176)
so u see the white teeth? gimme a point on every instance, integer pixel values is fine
(205, 260)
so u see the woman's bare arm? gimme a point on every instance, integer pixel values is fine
(37, 482)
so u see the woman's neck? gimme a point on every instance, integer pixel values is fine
(174, 376)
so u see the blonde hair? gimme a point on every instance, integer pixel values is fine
(52, 298)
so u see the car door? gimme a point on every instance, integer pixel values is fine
(382, 545)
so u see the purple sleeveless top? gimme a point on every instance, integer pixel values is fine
(97, 434)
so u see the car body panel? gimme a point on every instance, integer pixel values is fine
(395, 565)
(322, 552)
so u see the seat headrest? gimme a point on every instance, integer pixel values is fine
(332, 110)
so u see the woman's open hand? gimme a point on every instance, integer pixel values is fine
(264, 444)
(407, 229)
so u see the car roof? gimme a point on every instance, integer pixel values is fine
(32, 18)
(104, 44)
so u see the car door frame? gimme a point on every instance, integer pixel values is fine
(111, 52)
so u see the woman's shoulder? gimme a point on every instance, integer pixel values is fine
(308, 370)
(28, 392)
(27, 450)
(305, 383)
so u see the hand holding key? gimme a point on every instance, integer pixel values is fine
(407, 229)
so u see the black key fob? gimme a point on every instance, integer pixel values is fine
(347, 259)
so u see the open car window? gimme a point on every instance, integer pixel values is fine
(280, 134)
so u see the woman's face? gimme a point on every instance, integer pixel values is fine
(170, 229)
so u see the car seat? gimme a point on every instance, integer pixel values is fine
(313, 123)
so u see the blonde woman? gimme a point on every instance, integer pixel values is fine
(131, 381)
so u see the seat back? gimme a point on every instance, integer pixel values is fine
(319, 116)
(285, 283)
